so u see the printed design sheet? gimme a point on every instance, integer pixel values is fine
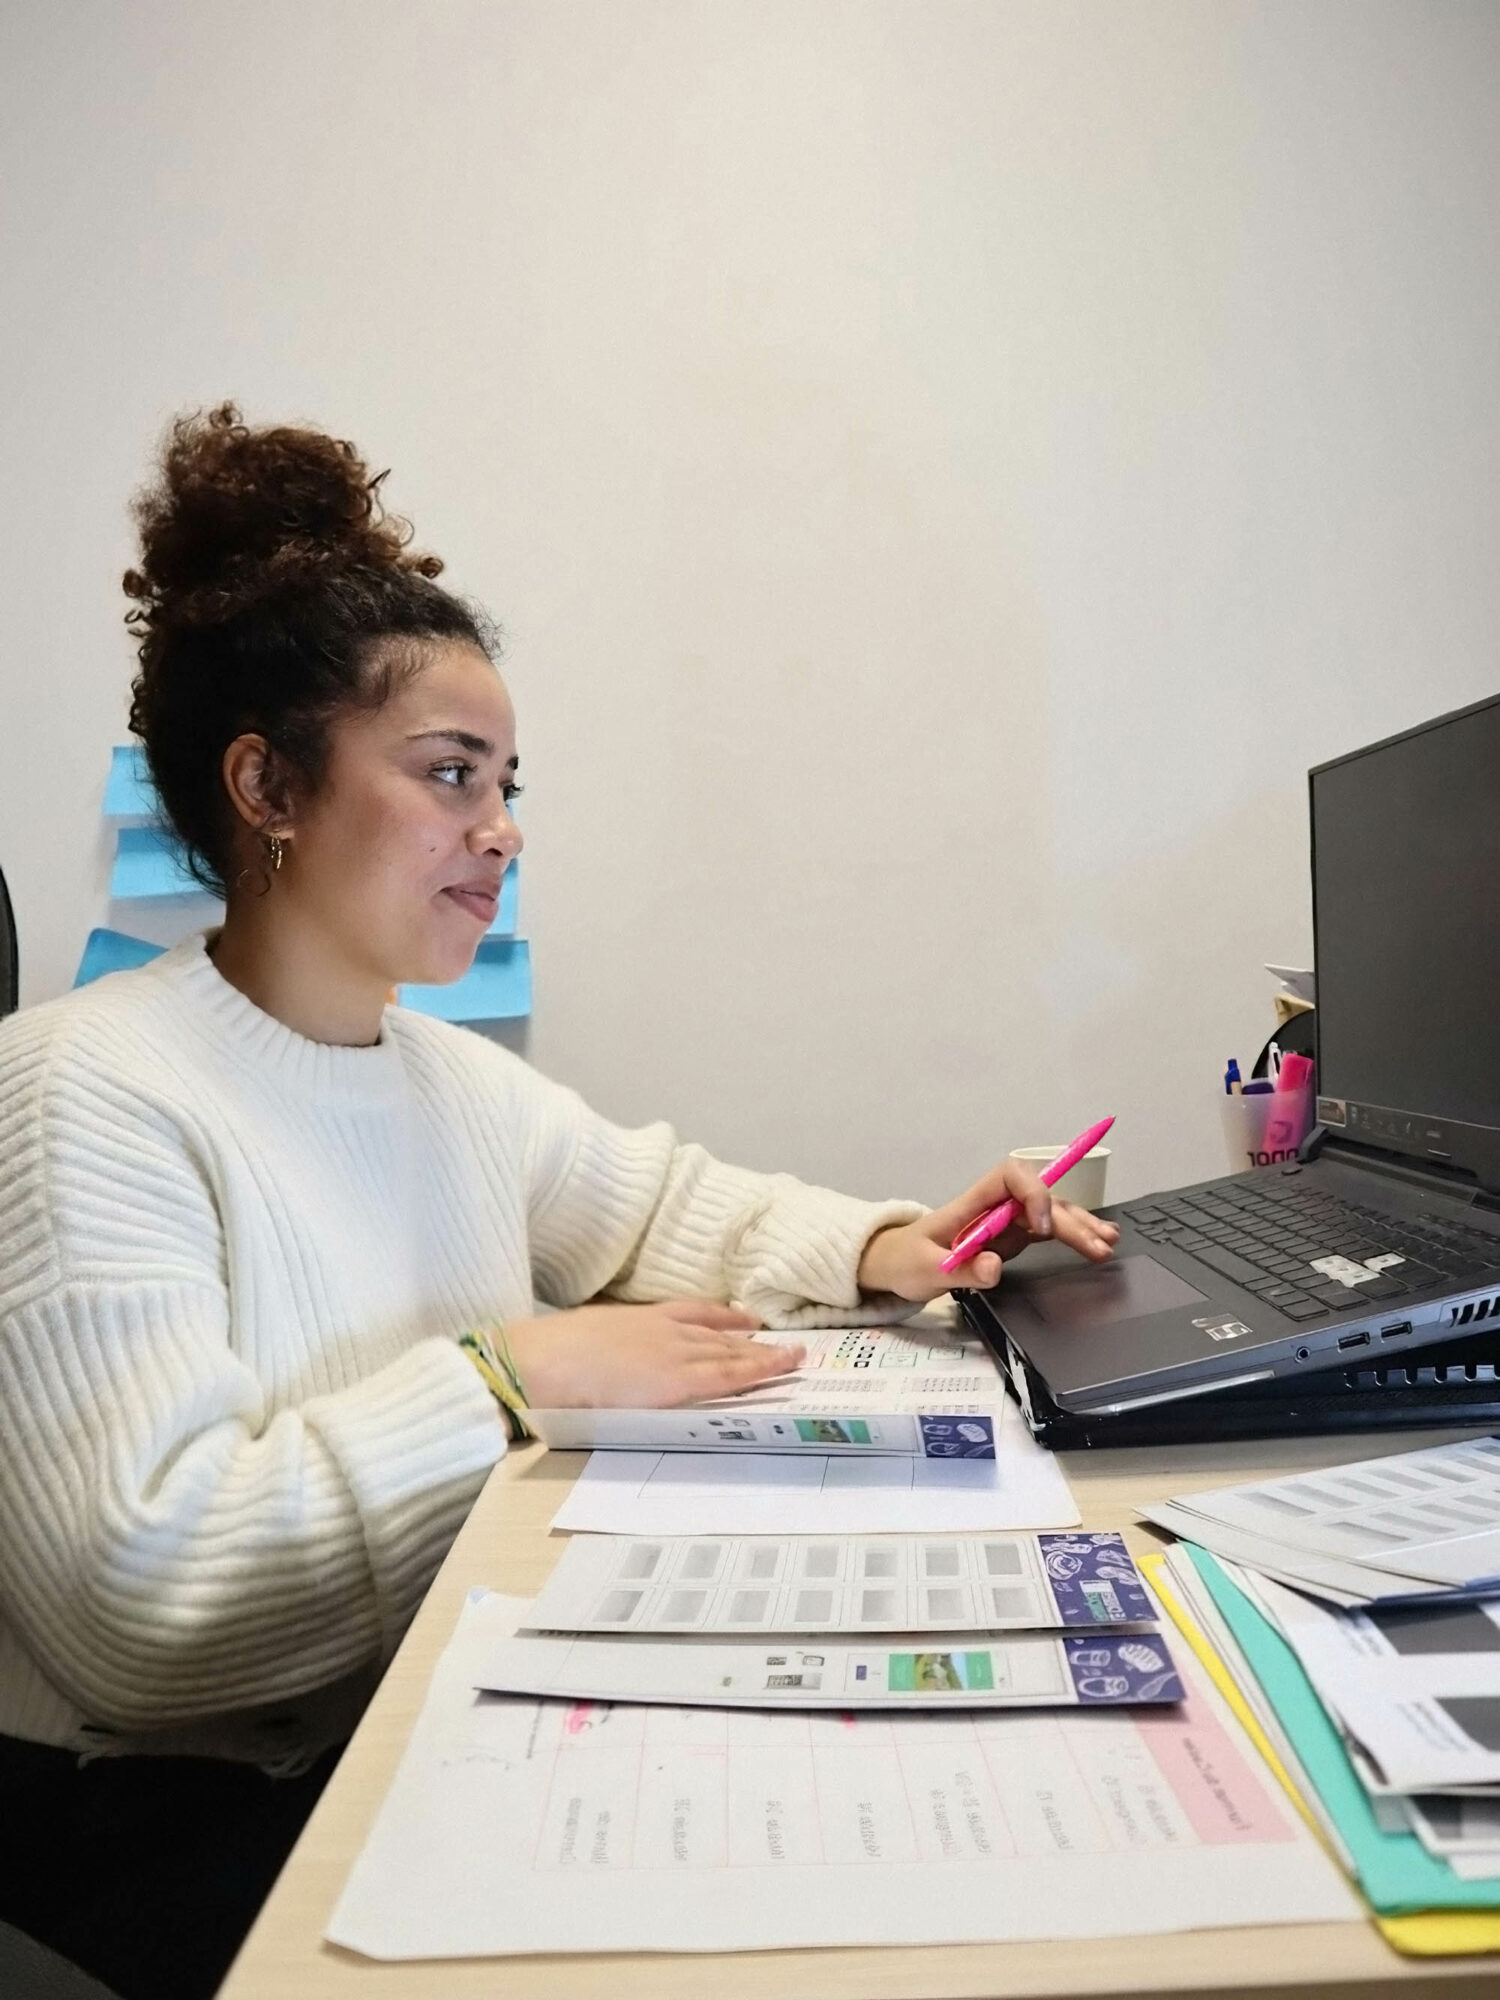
(1430, 1516)
(932, 1670)
(692, 1492)
(517, 1826)
(925, 1387)
(1419, 1690)
(759, 1583)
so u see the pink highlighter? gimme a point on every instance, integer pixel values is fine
(979, 1233)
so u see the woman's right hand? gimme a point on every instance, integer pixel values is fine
(642, 1357)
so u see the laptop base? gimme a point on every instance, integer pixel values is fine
(1455, 1382)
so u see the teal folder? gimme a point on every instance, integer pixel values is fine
(1395, 1871)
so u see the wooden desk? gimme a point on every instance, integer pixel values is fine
(506, 1544)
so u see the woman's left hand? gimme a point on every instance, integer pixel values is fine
(907, 1259)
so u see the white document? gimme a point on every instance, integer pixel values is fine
(696, 1493)
(928, 1671)
(853, 1583)
(1420, 1691)
(516, 1826)
(927, 1388)
(1416, 1517)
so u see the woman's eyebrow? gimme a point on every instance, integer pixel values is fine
(480, 746)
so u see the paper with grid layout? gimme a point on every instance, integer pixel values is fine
(516, 1826)
(1429, 1517)
(851, 1583)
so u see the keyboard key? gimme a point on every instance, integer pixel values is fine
(1310, 1309)
(1226, 1263)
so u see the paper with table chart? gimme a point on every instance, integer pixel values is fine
(929, 1670)
(1413, 1522)
(927, 1387)
(516, 1826)
(674, 1493)
(854, 1583)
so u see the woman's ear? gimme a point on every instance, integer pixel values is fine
(252, 782)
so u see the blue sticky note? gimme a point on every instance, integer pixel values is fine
(113, 951)
(497, 987)
(148, 862)
(510, 896)
(129, 793)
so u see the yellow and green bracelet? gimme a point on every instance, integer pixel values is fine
(490, 1353)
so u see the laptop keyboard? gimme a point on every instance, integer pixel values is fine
(1308, 1253)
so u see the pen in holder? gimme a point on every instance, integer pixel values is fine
(1263, 1130)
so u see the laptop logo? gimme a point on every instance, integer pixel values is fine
(1223, 1327)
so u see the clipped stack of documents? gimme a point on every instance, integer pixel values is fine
(1355, 1614)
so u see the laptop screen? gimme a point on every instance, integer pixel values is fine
(1406, 918)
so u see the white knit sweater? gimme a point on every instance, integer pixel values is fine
(238, 1435)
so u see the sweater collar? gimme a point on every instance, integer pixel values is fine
(263, 1043)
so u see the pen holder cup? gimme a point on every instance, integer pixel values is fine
(1262, 1131)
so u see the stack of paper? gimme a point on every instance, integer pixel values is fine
(1416, 1525)
(518, 1826)
(926, 1389)
(1362, 1632)
(733, 1609)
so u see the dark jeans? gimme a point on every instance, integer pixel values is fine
(145, 1871)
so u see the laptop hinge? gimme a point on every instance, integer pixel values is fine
(1321, 1144)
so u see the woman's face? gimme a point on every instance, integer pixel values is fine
(398, 857)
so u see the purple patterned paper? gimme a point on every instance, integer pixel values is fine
(958, 1437)
(1093, 1580)
(1133, 1668)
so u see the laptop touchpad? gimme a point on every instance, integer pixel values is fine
(1128, 1288)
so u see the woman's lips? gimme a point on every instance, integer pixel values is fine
(480, 903)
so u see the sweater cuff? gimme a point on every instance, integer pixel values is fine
(415, 1443)
(799, 1264)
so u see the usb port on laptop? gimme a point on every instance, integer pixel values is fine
(1354, 1340)
(1395, 1332)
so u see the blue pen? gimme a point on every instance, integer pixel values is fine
(1232, 1079)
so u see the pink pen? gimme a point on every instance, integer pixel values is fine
(979, 1233)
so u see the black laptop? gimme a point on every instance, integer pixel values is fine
(1226, 1285)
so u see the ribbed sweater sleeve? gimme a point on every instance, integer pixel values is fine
(637, 1215)
(170, 1547)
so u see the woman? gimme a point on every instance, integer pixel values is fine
(249, 1212)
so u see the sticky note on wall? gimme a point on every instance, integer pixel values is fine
(128, 792)
(148, 862)
(497, 987)
(113, 951)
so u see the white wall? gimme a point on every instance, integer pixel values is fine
(945, 469)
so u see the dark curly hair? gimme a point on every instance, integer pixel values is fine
(270, 587)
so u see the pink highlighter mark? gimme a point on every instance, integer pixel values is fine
(580, 1718)
(1225, 1800)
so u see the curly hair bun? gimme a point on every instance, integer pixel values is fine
(239, 515)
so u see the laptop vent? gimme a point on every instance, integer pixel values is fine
(1472, 1310)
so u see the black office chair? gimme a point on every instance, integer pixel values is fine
(10, 962)
(28, 1971)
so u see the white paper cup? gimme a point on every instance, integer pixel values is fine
(1083, 1183)
(1265, 1130)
